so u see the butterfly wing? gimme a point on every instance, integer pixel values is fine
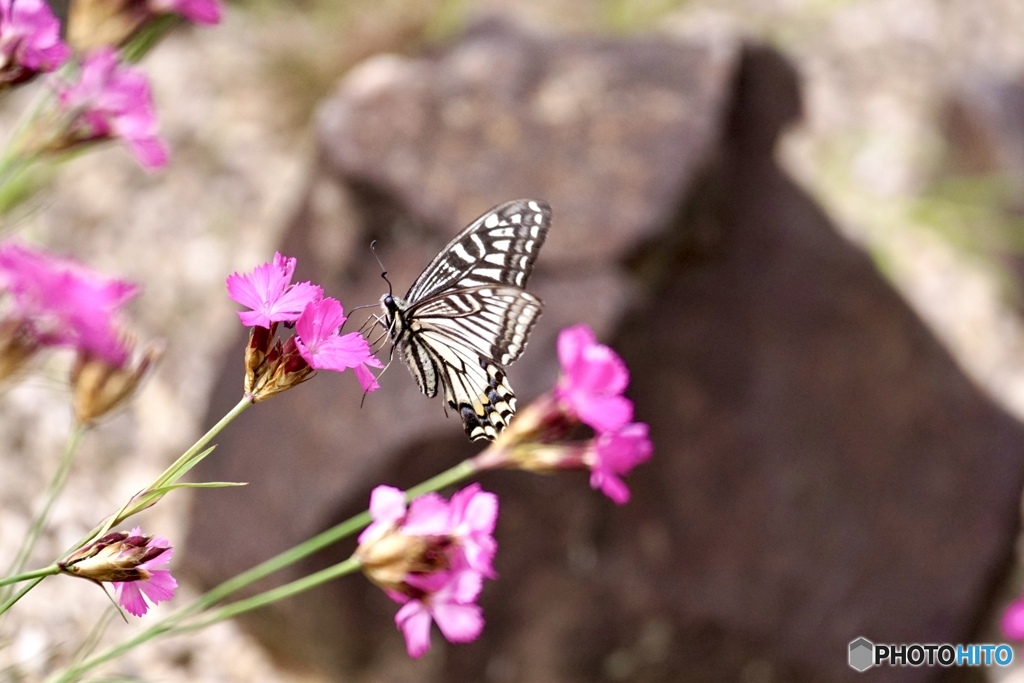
(498, 248)
(461, 340)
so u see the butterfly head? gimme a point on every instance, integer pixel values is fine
(392, 307)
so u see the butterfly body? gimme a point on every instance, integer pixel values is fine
(467, 315)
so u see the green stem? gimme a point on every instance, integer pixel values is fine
(34, 574)
(168, 475)
(53, 492)
(454, 475)
(171, 623)
(171, 474)
(278, 562)
(271, 596)
(20, 594)
(74, 673)
(319, 542)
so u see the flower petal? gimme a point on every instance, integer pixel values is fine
(130, 597)
(387, 504)
(111, 99)
(459, 623)
(159, 586)
(603, 413)
(1012, 622)
(428, 516)
(414, 621)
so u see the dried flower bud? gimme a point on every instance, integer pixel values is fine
(391, 557)
(115, 557)
(543, 420)
(132, 562)
(283, 368)
(260, 346)
(99, 386)
(17, 346)
(96, 23)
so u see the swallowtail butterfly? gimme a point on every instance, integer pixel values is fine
(467, 315)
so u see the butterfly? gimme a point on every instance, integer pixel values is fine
(467, 315)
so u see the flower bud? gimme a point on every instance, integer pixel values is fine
(544, 420)
(17, 346)
(260, 346)
(542, 458)
(99, 386)
(115, 557)
(283, 368)
(96, 23)
(390, 558)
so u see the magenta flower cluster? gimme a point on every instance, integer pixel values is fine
(29, 40)
(272, 298)
(591, 388)
(59, 302)
(113, 100)
(452, 547)
(104, 98)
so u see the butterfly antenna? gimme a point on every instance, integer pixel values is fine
(383, 270)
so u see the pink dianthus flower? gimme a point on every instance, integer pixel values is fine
(113, 100)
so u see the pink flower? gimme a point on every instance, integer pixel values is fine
(154, 585)
(129, 561)
(593, 379)
(387, 509)
(269, 292)
(29, 40)
(1012, 622)
(473, 514)
(196, 11)
(64, 303)
(432, 557)
(113, 100)
(452, 606)
(615, 454)
(273, 366)
(321, 345)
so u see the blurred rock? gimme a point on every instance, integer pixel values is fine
(823, 470)
(984, 125)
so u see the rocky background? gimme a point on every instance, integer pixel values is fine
(798, 221)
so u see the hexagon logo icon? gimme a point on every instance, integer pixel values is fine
(862, 654)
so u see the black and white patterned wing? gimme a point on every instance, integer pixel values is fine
(460, 341)
(498, 248)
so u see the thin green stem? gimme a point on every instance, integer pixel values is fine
(75, 672)
(171, 474)
(19, 595)
(279, 562)
(454, 475)
(313, 580)
(53, 491)
(320, 541)
(34, 574)
(172, 623)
